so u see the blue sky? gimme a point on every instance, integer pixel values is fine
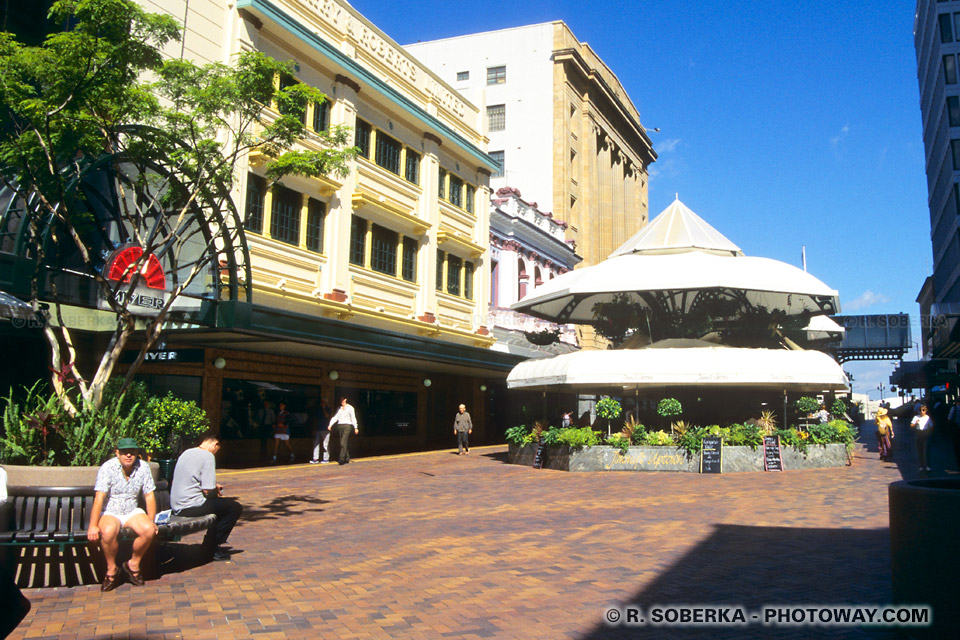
(782, 124)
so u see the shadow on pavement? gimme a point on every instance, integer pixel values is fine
(281, 507)
(499, 456)
(752, 567)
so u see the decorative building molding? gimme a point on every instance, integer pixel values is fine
(348, 82)
(432, 138)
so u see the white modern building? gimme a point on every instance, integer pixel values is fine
(560, 123)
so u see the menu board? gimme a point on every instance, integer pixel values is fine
(772, 456)
(711, 455)
(538, 458)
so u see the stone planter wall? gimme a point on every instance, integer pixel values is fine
(735, 459)
(26, 476)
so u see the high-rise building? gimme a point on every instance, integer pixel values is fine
(560, 123)
(937, 41)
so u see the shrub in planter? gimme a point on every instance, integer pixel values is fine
(38, 430)
(519, 434)
(669, 407)
(578, 438)
(170, 423)
(806, 405)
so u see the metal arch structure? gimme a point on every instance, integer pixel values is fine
(124, 202)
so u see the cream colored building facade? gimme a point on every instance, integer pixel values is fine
(374, 286)
(565, 128)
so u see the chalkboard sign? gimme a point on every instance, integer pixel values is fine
(772, 458)
(711, 455)
(538, 458)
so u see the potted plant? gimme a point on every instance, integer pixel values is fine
(609, 409)
(668, 408)
(169, 424)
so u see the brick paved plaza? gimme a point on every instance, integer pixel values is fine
(436, 545)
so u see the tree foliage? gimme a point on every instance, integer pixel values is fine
(99, 113)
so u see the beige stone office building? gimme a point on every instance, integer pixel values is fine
(560, 122)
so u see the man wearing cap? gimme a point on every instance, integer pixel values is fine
(195, 492)
(120, 481)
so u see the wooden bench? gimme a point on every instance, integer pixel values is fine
(58, 517)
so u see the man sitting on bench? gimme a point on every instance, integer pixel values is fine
(119, 483)
(195, 492)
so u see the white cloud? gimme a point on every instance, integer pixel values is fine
(836, 142)
(668, 161)
(866, 299)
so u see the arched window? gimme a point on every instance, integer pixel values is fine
(537, 278)
(522, 279)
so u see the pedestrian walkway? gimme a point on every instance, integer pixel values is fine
(436, 545)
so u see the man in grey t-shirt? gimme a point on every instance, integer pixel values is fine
(195, 492)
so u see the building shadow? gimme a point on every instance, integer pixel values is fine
(499, 456)
(755, 567)
(281, 507)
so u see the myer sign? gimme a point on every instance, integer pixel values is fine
(168, 356)
(151, 294)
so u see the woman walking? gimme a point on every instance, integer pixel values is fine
(884, 434)
(923, 426)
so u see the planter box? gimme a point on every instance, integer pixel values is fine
(27, 476)
(735, 459)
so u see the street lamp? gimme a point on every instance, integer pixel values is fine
(881, 392)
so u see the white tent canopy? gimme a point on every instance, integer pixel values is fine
(717, 367)
(763, 282)
(673, 262)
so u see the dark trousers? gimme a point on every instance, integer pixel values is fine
(228, 512)
(462, 443)
(345, 430)
(921, 438)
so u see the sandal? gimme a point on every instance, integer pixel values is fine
(135, 578)
(110, 582)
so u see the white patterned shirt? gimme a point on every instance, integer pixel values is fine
(123, 492)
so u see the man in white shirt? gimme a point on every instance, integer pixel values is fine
(345, 419)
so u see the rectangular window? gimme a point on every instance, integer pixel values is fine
(456, 191)
(463, 75)
(453, 275)
(955, 152)
(316, 212)
(953, 110)
(388, 153)
(946, 30)
(358, 240)
(292, 105)
(498, 75)
(956, 26)
(497, 156)
(468, 280)
(496, 117)
(383, 252)
(439, 270)
(408, 265)
(412, 170)
(949, 69)
(442, 187)
(321, 116)
(256, 192)
(361, 138)
(471, 196)
(285, 217)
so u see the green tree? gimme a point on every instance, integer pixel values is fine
(104, 142)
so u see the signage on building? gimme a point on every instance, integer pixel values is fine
(151, 294)
(168, 356)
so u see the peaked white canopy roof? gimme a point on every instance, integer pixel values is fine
(772, 369)
(679, 256)
(678, 229)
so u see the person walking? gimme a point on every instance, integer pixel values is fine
(463, 427)
(281, 430)
(345, 419)
(120, 481)
(195, 492)
(322, 436)
(923, 427)
(884, 434)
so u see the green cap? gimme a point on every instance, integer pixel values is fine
(127, 443)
